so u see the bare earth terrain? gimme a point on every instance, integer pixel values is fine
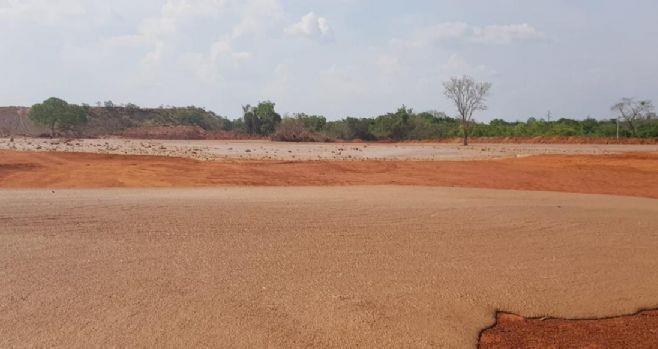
(631, 331)
(294, 253)
(265, 150)
(358, 266)
(623, 174)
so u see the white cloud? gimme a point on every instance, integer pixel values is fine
(256, 15)
(222, 48)
(345, 83)
(505, 34)
(164, 35)
(457, 65)
(156, 32)
(463, 32)
(42, 11)
(313, 27)
(222, 56)
(389, 64)
(280, 87)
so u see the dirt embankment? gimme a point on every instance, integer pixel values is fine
(513, 331)
(182, 133)
(134, 123)
(633, 174)
(165, 132)
(14, 121)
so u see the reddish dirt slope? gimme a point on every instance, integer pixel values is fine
(512, 331)
(626, 174)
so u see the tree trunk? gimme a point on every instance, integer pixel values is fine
(633, 130)
(465, 135)
(52, 130)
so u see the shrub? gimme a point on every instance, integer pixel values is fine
(294, 130)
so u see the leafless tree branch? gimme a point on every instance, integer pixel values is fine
(468, 96)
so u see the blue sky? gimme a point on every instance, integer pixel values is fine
(332, 57)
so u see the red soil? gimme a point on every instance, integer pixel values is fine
(633, 174)
(512, 331)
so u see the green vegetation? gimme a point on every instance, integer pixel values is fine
(296, 130)
(404, 125)
(636, 119)
(57, 114)
(634, 113)
(261, 120)
(314, 123)
(194, 116)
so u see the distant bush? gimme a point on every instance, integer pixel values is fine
(294, 130)
(349, 129)
(312, 122)
(194, 116)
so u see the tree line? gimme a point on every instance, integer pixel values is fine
(635, 119)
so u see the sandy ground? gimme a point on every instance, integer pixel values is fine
(265, 150)
(626, 174)
(296, 267)
(374, 266)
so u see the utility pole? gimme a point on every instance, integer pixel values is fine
(548, 116)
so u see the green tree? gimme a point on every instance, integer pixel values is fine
(262, 119)
(269, 118)
(56, 113)
(394, 126)
(251, 121)
(358, 128)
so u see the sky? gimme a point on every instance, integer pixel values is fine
(336, 58)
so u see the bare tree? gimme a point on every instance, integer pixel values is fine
(634, 111)
(468, 96)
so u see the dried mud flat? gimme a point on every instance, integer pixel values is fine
(266, 150)
(324, 267)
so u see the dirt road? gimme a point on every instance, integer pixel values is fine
(296, 267)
